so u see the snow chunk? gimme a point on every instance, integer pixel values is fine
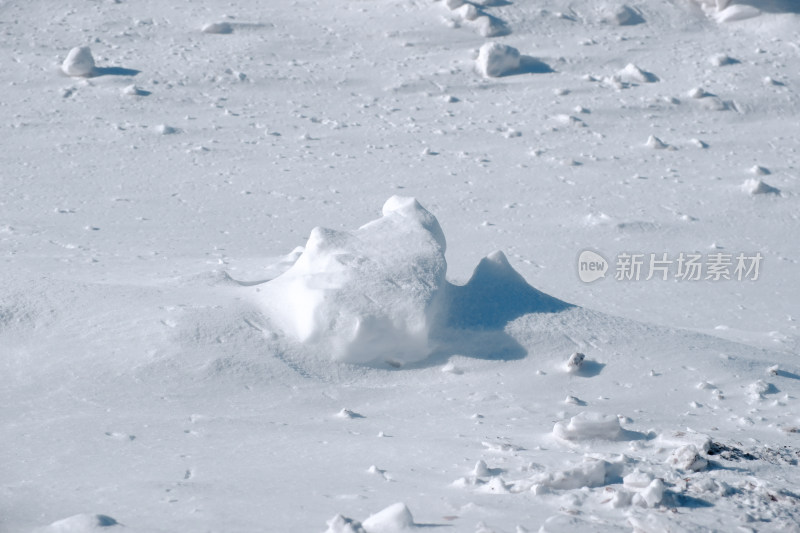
(720, 60)
(736, 12)
(697, 92)
(134, 90)
(340, 524)
(652, 495)
(495, 485)
(756, 186)
(687, 458)
(633, 74)
(81, 523)
(347, 413)
(489, 27)
(481, 469)
(468, 12)
(575, 362)
(624, 16)
(588, 425)
(163, 129)
(79, 62)
(393, 519)
(637, 479)
(495, 60)
(590, 473)
(656, 143)
(218, 28)
(371, 295)
(758, 389)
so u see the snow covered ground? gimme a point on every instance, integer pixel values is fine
(173, 362)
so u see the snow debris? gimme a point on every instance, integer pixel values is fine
(82, 523)
(687, 458)
(736, 12)
(79, 62)
(451, 368)
(637, 479)
(624, 15)
(575, 362)
(720, 60)
(489, 26)
(569, 120)
(759, 171)
(758, 389)
(373, 294)
(163, 129)
(697, 92)
(756, 186)
(495, 485)
(590, 473)
(340, 524)
(347, 413)
(220, 28)
(468, 12)
(651, 496)
(481, 469)
(773, 370)
(134, 90)
(656, 143)
(394, 518)
(495, 60)
(588, 425)
(633, 74)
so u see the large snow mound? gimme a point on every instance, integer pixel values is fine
(379, 295)
(371, 294)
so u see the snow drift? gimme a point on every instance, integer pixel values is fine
(377, 294)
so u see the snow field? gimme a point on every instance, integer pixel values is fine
(148, 381)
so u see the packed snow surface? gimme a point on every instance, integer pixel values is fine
(182, 350)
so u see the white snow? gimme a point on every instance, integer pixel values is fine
(756, 186)
(79, 62)
(368, 295)
(687, 458)
(588, 425)
(624, 15)
(218, 28)
(83, 523)
(393, 519)
(496, 59)
(152, 384)
(633, 74)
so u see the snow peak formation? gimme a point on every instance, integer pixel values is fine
(376, 294)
